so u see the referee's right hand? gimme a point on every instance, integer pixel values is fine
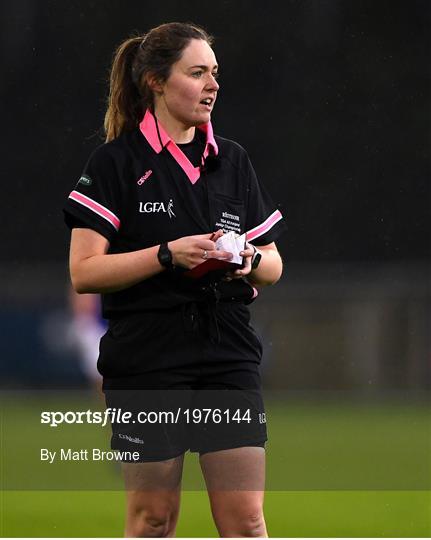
(190, 251)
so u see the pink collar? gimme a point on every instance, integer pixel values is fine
(149, 131)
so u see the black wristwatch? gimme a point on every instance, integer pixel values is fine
(255, 260)
(165, 256)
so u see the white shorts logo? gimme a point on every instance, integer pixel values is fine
(156, 207)
(136, 440)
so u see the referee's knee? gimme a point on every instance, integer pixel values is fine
(247, 524)
(150, 524)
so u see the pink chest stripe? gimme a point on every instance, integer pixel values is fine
(192, 172)
(158, 139)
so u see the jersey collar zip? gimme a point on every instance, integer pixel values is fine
(148, 129)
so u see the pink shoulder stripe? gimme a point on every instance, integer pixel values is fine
(264, 227)
(96, 207)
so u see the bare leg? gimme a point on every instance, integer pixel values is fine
(235, 481)
(153, 497)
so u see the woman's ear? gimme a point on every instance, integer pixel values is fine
(154, 84)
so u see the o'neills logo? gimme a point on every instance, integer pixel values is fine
(156, 207)
(145, 177)
(136, 440)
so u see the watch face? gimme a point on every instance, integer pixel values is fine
(165, 256)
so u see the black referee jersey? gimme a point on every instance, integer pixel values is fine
(143, 189)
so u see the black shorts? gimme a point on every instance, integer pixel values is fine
(197, 386)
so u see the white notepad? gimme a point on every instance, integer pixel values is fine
(233, 243)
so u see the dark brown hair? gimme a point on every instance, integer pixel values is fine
(153, 53)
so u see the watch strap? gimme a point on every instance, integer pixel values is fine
(256, 258)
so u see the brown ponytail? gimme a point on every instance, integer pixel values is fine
(124, 102)
(153, 53)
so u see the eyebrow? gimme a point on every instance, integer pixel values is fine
(203, 67)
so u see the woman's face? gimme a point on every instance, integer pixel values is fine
(189, 93)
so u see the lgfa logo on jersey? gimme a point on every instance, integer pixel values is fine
(156, 207)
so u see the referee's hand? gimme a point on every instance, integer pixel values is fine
(190, 251)
(247, 253)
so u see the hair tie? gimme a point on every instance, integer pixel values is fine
(141, 45)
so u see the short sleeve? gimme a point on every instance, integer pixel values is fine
(264, 223)
(96, 199)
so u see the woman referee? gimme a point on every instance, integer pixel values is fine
(149, 207)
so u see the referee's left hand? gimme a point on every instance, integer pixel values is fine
(247, 253)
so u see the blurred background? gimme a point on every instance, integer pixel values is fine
(331, 99)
